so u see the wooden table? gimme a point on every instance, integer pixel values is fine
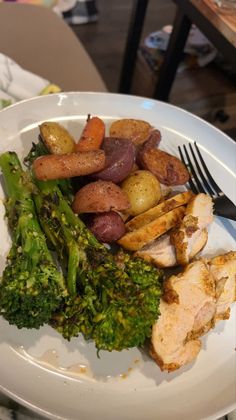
(218, 25)
(223, 20)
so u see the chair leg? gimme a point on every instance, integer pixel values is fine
(132, 43)
(173, 56)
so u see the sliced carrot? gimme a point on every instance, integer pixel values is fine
(92, 135)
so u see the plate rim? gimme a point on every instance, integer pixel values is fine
(104, 94)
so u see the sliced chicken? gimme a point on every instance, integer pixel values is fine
(133, 241)
(192, 302)
(185, 241)
(161, 252)
(201, 206)
(184, 297)
(223, 269)
(199, 243)
(198, 215)
(155, 212)
(169, 347)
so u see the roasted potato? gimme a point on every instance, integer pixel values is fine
(135, 130)
(107, 227)
(100, 196)
(143, 190)
(120, 154)
(168, 169)
(57, 139)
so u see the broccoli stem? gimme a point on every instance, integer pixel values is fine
(19, 196)
(59, 222)
(115, 304)
(31, 287)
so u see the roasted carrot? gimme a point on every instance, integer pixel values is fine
(68, 165)
(92, 135)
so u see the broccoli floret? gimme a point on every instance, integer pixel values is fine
(133, 307)
(116, 307)
(112, 301)
(31, 287)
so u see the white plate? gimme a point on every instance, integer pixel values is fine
(67, 380)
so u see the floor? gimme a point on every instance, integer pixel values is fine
(208, 92)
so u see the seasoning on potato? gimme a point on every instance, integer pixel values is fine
(168, 169)
(56, 138)
(100, 196)
(143, 190)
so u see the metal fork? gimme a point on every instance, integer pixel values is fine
(202, 181)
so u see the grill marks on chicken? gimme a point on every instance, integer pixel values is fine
(185, 241)
(193, 302)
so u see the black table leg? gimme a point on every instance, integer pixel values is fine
(174, 53)
(132, 44)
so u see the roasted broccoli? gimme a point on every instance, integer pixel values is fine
(111, 299)
(31, 287)
(114, 299)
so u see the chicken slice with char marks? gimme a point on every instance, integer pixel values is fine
(186, 240)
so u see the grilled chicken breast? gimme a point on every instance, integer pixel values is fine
(162, 253)
(184, 242)
(198, 215)
(192, 303)
(223, 269)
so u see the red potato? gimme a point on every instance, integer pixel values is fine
(153, 139)
(120, 156)
(107, 227)
(92, 135)
(168, 169)
(151, 142)
(68, 165)
(98, 197)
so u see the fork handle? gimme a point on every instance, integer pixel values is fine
(225, 208)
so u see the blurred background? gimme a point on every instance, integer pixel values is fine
(208, 91)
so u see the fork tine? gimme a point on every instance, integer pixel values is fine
(203, 178)
(193, 173)
(213, 183)
(191, 183)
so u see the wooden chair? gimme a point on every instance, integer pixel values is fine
(41, 42)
